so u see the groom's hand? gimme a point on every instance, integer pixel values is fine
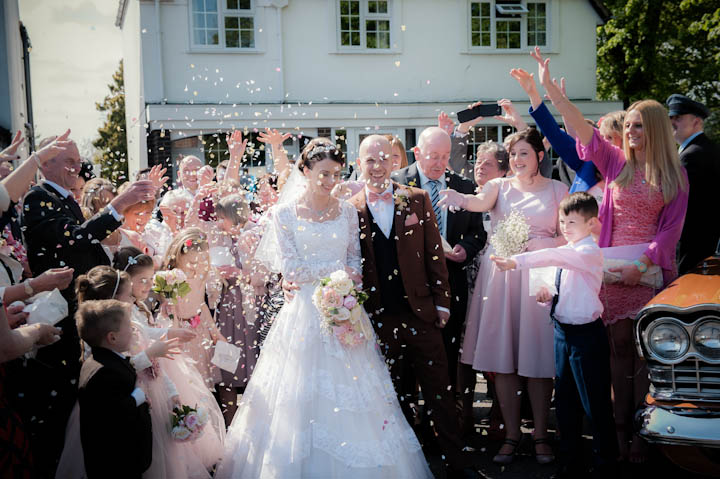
(443, 317)
(458, 254)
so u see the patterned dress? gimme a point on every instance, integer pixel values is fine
(635, 221)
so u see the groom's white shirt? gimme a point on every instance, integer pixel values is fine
(382, 212)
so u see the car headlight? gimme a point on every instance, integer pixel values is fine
(707, 339)
(667, 339)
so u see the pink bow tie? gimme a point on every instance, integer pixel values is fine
(375, 197)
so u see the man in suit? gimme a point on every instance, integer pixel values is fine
(57, 235)
(115, 426)
(701, 158)
(462, 231)
(406, 278)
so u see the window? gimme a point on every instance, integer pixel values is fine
(223, 24)
(216, 149)
(508, 25)
(536, 24)
(365, 24)
(481, 134)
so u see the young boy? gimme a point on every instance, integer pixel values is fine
(582, 354)
(115, 429)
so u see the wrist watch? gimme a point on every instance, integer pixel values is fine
(28, 287)
(642, 267)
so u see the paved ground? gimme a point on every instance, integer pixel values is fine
(525, 466)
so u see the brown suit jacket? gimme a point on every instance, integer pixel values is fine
(420, 254)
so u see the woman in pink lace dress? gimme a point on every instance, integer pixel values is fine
(645, 200)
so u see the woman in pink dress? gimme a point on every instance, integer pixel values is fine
(644, 201)
(507, 331)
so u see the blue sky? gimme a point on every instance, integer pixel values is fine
(75, 50)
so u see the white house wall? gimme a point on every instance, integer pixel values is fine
(430, 68)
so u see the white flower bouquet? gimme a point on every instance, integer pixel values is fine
(187, 423)
(511, 235)
(340, 304)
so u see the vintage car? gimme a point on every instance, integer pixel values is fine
(678, 333)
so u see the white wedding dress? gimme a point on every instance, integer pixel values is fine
(314, 408)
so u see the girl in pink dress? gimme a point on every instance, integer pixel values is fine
(189, 252)
(644, 201)
(507, 331)
(186, 459)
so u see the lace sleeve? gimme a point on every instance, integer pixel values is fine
(281, 255)
(354, 255)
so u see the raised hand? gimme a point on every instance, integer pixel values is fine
(10, 153)
(163, 348)
(527, 83)
(273, 137)
(446, 123)
(452, 199)
(182, 334)
(236, 144)
(503, 264)
(543, 66)
(157, 176)
(205, 175)
(54, 148)
(511, 115)
(465, 127)
(138, 192)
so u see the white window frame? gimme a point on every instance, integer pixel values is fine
(222, 12)
(392, 15)
(524, 47)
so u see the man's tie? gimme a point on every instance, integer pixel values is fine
(435, 197)
(558, 275)
(373, 198)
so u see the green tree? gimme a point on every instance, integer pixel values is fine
(112, 141)
(653, 48)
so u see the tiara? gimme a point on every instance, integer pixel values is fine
(322, 149)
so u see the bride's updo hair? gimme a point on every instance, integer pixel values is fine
(319, 149)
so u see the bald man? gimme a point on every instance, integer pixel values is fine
(463, 231)
(406, 278)
(188, 173)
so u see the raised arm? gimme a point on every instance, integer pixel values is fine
(236, 147)
(276, 139)
(572, 116)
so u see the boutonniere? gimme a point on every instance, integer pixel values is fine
(402, 201)
(412, 183)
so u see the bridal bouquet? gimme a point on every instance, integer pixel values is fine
(511, 235)
(171, 284)
(187, 423)
(340, 304)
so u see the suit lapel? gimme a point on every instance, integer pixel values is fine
(68, 203)
(398, 215)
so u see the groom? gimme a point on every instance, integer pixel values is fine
(405, 275)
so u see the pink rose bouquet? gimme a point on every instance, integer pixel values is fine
(187, 423)
(340, 304)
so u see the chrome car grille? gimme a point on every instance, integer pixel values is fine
(689, 379)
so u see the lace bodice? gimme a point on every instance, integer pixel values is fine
(304, 251)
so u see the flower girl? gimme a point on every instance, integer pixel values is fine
(206, 450)
(189, 252)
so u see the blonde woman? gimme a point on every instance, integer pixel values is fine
(644, 201)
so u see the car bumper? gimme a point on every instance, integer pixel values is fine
(689, 427)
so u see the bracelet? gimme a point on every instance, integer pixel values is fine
(642, 267)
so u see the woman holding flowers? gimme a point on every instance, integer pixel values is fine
(507, 331)
(320, 402)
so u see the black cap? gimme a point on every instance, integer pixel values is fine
(86, 171)
(680, 105)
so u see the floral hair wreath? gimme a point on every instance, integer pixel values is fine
(189, 243)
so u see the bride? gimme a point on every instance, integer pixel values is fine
(315, 408)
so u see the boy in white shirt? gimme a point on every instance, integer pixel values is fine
(582, 354)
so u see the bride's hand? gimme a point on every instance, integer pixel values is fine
(452, 199)
(354, 275)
